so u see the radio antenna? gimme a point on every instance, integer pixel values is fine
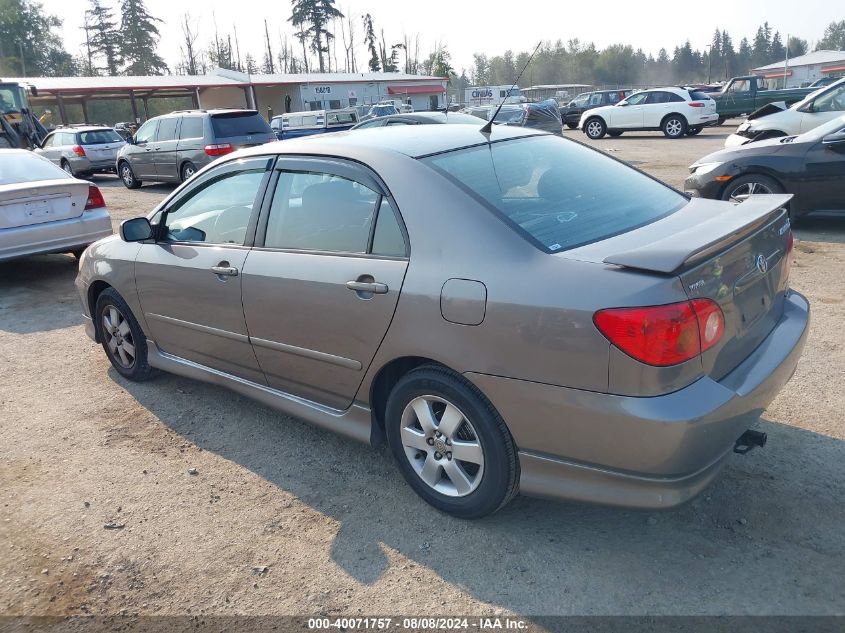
(488, 127)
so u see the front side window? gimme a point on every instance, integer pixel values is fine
(636, 99)
(832, 101)
(556, 192)
(320, 212)
(219, 210)
(658, 97)
(146, 132)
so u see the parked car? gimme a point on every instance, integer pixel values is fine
(418, 118)
(172, 147)
(380, 109)
(375, 283)
(771, 121)
(810, 166)
(744, 95)
(295, 124)
(571, 113)
(674, 111)
(43, 209)
(82, 150)
(543, 115)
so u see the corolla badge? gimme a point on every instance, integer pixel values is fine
(762, 263)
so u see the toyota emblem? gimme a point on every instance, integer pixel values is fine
(762, 263)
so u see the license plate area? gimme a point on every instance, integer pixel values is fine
(37, 208)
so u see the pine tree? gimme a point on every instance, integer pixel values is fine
(138, 40)
(370, 39)
(104, 36)
(834, 37)
(777, 51)
(314, 17)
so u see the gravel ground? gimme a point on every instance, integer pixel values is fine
(100, 511)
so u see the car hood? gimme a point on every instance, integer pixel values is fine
(788, 121)
(767, 147)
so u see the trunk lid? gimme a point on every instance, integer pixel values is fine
(106, 151)
(27, 203)
(732, 254)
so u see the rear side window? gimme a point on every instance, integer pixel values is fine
(556, 192)
(388, 238)
(167, 129)
(191, 127)
(99, 137)
(239, 124)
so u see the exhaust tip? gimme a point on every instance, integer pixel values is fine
(749, 440)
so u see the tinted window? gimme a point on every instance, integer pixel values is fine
(342, 118)
(167, 129)
(697, 95)
(99, 137)
(672, 97)
(832, 101)
(147, 131)
(191, 127)
(530, 183)
(388, 239)
(401, 122)
(218, 211)
(321, 212)
(372, 123)
(657, 97)
(595, 99)
(24, 167)
(637, 99)
(239, 124)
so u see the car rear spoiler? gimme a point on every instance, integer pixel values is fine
(702, 240)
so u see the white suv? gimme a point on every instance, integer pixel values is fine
(674, 111)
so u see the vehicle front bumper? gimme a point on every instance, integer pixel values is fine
(648, 453)
(705, 185)
(61, 236)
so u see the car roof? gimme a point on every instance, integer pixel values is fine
(411, 140)
(81, 128)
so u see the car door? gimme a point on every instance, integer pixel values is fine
(321, 286)
(48, 148)
(825, 107)
(657, 105)
(189, 279)
(140, 153)
(164, 148)
(628, 114)
(824, 177)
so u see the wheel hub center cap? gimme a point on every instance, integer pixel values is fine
(440, 445)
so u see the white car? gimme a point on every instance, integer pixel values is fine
(817, 108)
(43, 209)
(674, 111)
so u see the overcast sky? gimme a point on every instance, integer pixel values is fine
(466, 28)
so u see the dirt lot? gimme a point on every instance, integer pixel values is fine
(332, 522)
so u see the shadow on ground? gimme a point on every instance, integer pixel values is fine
(37, 294)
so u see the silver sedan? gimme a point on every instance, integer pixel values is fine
(509, 311)
(45, 210)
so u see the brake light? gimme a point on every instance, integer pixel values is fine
(790, 251)
(663, 335)
(78, 150)
(219, 149)
(696, 104)
(95, 199)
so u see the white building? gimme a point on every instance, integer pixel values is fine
(804, 70)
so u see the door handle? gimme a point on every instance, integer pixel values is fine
(225, 271)
(374, 287)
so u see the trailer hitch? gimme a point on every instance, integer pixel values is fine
(748, 441)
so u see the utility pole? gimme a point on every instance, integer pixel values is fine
(269, 50)
(23, 61)
(786, 62)
(709, 61)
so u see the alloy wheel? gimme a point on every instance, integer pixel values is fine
(674, 127)
(118, 337)
(741, 193)
(593, 129)
(442, 446)
(126, 175)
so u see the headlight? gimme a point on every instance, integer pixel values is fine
(704, 168)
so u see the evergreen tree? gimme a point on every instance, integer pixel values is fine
(797, 46)
(744, 57)
(314, 17)
(777, 51)
(729, 66)
(370, 39)
(761, 50)
(138, 40)
(29, 44)
(834, 37)
(249, 64)
(105, 39)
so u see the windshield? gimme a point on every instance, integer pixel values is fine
(239, 124)
(99, 137)
(818, 133)
(557, 192)
(18, 167)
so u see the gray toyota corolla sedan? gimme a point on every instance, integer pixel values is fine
(509, 312)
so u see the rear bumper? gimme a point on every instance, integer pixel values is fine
(55, 237)
(653, 452)
(85, 164)
(704, 119)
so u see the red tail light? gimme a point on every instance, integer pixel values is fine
(663, 335)
(95, 199)
(787, 259)
(77, 149)
(696, 104)
(219, 149)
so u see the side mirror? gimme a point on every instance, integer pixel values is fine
(136, 230)
(807, 108)
(837, 138)
(622, 104)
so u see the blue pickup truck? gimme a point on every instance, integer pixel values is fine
(296, 124)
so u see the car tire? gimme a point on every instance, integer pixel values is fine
(127, 176)
(468, 488)
(738, 189)
(614, 133)
(122, 338)
(595, 128)
(187, 170)
(674, 126)
(67, 169)
(572, 126)
(692, 131)
(78, 253)
(721, 120)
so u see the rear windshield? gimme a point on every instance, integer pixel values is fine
(18, 167)
(697, 95)
(239, 124)
(99, 137)
(557, 192)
